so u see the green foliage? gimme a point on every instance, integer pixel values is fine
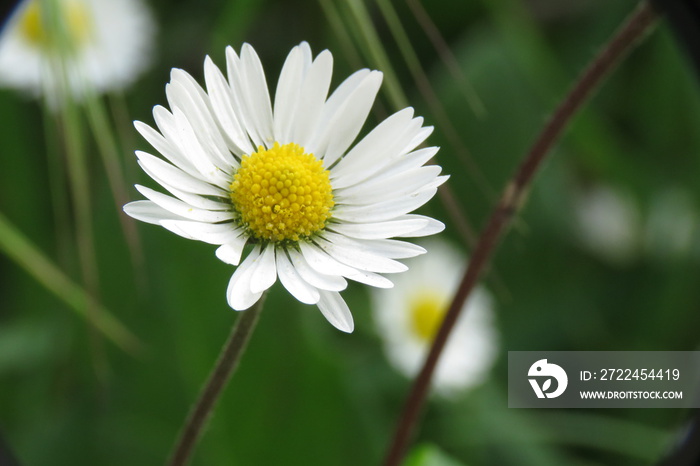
(430, 455)
(306, 394)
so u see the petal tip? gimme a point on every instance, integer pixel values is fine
(348, 329)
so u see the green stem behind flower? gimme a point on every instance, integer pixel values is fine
(18, 248)
(60, 203)
(223, 370)
(367, 38)
(336, 24)
(447, 57)
(511, 202)
(109, 151)
(59, 55)
(366, 35)
(437, 109)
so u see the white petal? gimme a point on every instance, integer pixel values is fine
(392, 248)
(418, 139)
(352, 253)
(399, 186)
(249, 86)
(323, 263)
(182, 209)
(397, 165)
(357, 254)
(170, 129)
(236, 80)
(287, 95)
(200, 202)
(343, 126)
(405, 163)
(336, 311)
(193, 88)
(386, 210)
(167, 148)
(433, 227)
(149, 212)
(257, 94)
(377, 158)
(265, 274)
(231, 252)
(314, 92)
(293, 282)
(180, 134)
(207, 164)
(165, 173)
(379, 230)
(184, 93)
(370, 278)
(376, 143)
(313, 277)
(341, 93)
(338, 98)
(238, 294)
(223, 106)
(212, 233)
(306, 54)
(194, 200)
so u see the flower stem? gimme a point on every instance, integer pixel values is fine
(225, 367)
(511, 201)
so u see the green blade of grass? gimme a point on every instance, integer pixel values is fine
(21, 250)
(367, 36)
(424, 87)
(108, 149)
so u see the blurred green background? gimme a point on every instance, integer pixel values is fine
(305, 393)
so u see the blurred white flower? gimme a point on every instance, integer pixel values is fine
(409, 315)
(672, 225)
(608, 223)
(286, 179)
(101, 44)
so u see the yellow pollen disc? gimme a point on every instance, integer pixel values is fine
(427, 311)
(74, 17)
(282, 193)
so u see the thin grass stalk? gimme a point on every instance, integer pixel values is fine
(341, 32)
(380, 60)
(447, 57)
(58, 188)
(420, 78)
(367, 36)
(15, 245)
(109, 151)
(512, 199)
(71, 127)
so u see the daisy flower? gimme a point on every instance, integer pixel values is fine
(608, 224)
(286, 180)
(107, 45)
(408, 316)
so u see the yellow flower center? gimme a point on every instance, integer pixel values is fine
(427, 311)
(282, 193)
(73, 16)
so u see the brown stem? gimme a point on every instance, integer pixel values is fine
(511, 202)
(225, 367)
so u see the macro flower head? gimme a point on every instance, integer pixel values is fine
(284, 183)
(56, 47)
(408, 317)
